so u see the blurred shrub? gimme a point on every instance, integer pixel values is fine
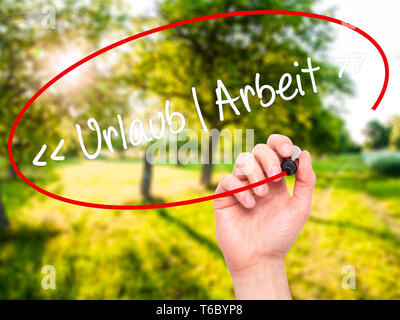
(377, 135)
(394, 141)
(386, 162)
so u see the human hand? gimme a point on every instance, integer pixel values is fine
(256, 228)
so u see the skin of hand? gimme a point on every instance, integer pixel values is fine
(256, 228)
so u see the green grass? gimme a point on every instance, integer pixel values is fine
(173, 253)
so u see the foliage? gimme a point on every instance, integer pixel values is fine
(394, 140)
(23, 40)
(377, 135)
(234, 50)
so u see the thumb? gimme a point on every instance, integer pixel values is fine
(304, 184)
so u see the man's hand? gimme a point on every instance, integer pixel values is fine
(256, 228)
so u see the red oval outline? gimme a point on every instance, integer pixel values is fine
(158, 29)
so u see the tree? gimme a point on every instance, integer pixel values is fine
(235, 49)
(377, 135)
(4, 223)
(14, 41)
(147, 175)
(394, 141)
(21, 38)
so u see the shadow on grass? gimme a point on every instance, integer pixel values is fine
(21, 261)
(173, 278)
(22, 246)
(15, 192)
(186, 284)
(172, 274)
(386, 235)
(202, 240)
(139, 284)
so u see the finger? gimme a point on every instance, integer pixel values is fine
(304, 184)
(246, 167)
(268, 160)
(230, 182)
(282, 145)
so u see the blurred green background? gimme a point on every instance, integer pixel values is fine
(173, 253)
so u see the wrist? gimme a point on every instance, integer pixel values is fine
(258, 268)
(265, 279)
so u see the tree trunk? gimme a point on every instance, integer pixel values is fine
(4, 223)
(11, 172)
(207, 167)
(206, 174)
(146, 177)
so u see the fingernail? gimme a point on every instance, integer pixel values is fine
(287, 149)
(250, 201)
(274, 170)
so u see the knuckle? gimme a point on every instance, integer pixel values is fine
(275, 136)
(259, 148)
(227, 179)
(272, 137)
(224, 183)
(243, 158)
(247, 169)
(270, 154)
(313, 178)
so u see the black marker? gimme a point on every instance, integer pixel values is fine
(289, 164)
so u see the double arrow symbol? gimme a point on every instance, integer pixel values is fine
(53, 156)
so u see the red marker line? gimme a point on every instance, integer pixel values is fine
(158, 29)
